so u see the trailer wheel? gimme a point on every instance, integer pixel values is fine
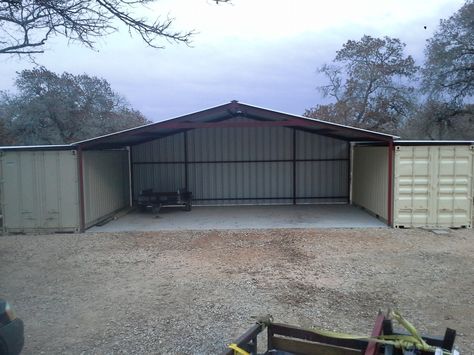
(188, 207)
(156, 209)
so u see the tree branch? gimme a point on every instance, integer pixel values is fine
(33, 21)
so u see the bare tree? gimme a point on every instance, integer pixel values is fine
(26, 25)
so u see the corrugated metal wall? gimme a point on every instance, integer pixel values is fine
(159, 164)
(322, 168)
(39, 191)
(370, 179)
(106, 183)
(432, 186)
(245, 166)
(240, 165)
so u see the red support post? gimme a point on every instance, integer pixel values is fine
(80, 170)
(390, 184)
(372, 348)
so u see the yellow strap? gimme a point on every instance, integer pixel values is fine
(410, 328)
(237, 350)
(398, 341)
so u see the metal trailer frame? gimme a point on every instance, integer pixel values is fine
(156, 200)
(283, 339)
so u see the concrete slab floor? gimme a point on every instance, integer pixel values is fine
(244, 217)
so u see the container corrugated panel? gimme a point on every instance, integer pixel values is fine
(370, 179)
(106, 184)
(39, 191)
(433, 186)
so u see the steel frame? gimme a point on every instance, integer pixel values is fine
(287, 339)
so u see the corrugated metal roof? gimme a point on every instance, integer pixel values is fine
(233, 114)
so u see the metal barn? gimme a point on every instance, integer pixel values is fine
(238, 154)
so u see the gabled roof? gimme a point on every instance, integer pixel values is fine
(233, 114)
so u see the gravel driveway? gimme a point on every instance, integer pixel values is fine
(191, 292)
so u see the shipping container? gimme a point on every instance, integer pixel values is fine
(433, 186)
(40, 188)
(39, 191)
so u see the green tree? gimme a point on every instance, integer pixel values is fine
(448, 73)
(368, 80)
(57, 109)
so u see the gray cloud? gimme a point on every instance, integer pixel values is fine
(278, 73)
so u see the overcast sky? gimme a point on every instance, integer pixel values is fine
(261, 52)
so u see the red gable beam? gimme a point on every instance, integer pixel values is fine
(230, 123)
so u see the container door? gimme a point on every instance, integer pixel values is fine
(453, 187)
(472, 185)
(433, 186)
(40, 191)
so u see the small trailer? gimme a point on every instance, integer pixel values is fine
(282, 339)
(154, 201)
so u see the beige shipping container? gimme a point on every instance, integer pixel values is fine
(433, 186)
(39, 191)
(39, 188)
(370, 179)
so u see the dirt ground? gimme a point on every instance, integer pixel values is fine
(193, 292)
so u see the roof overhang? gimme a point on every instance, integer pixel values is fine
(432, 142)
(233, 114)
(39, 147)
